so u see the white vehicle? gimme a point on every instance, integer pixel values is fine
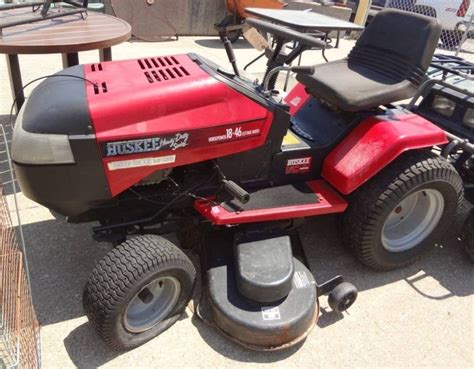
(454, 15)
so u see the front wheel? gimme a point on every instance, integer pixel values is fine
(138, 290)
(403, 211)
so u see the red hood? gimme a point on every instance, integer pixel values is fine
(159, 97)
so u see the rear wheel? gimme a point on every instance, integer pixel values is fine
(138, 290)
(399, 214)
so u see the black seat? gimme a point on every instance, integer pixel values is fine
(387, 63)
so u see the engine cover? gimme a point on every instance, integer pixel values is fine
(163, 112)
(95, 130)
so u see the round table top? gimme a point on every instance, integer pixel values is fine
(67, 34)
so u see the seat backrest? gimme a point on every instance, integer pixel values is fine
(398, 45)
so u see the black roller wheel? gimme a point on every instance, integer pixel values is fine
(138, 290)
(234, 35)
(469, 235)
(403, 211)
(342, 297)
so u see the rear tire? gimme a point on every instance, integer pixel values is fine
(400, 213)
(138, 290)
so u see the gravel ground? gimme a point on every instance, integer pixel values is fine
(419, 316)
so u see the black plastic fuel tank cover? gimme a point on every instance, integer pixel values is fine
(264, 265)
(59, 105)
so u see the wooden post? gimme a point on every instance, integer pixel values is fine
(361, 15)
(362, 12)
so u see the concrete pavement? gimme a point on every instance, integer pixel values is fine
(419, 316)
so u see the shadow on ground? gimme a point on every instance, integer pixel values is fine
(161, 39)
(86, 350)
(61, 256)
(231, 350)
(447, 264)
(216, 43)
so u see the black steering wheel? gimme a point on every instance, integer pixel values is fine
(284, 34)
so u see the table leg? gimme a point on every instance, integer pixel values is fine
(70, 59)
(254, 60)
(15, 80)
(105, 54)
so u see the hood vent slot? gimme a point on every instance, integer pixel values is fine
(162, 69)
(100, 88)
(96, 67)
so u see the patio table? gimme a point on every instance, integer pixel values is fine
(66, 35)
(304, 22)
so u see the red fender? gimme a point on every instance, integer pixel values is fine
(375, 143)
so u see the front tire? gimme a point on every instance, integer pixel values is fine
(138, 290)
(400, 213)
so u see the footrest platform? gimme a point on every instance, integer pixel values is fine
(276, 203)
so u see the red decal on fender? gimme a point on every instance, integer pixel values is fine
(298, 165)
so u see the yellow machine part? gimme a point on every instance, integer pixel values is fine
(238, 6)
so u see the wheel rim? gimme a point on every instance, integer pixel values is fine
(152, 304)
(412, 220)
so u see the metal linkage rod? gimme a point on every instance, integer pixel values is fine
(44, 12)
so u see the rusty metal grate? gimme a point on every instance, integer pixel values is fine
(456, 18)
(19, 327)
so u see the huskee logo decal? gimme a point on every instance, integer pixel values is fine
(174, 142)
(298, 165)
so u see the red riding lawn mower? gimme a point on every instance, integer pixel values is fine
(177, 144)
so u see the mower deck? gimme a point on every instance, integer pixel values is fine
(275, 321)
(276, 203)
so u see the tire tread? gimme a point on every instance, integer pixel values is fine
(119, 271)
(368, 202)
